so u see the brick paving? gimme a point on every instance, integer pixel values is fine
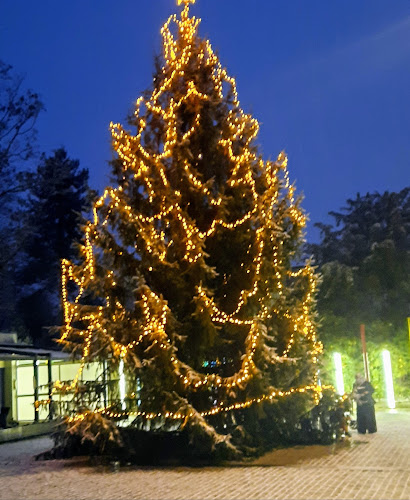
(373, 466)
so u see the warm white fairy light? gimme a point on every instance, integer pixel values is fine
(167, 214)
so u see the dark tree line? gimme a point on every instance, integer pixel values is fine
(41, 199)
(364, 258)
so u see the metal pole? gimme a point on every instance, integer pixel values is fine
(365, 358)
(50, 388)
(35, 383)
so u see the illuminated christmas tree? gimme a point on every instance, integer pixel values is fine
(187, 293)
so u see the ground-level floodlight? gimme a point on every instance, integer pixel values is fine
(388, 377)
(340, 387)
(122, 384)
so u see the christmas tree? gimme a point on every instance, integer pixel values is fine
(188, 293)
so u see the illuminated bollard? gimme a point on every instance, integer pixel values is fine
(340, 387)
(388, 377)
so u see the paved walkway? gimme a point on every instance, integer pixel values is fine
(371, 467)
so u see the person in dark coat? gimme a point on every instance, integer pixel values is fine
(362, 394)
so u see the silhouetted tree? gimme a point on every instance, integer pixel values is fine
(19, 110)
(57, 194)
(364, 259)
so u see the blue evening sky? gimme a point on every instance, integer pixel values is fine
(328, 80)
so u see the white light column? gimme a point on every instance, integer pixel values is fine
(388, 378)
(337, 359)
(122, 384)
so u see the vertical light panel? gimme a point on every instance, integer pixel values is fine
(122, 384)
(340, 386)
(388, 378)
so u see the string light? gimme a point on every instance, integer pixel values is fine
(269, 210)
(273, 395)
